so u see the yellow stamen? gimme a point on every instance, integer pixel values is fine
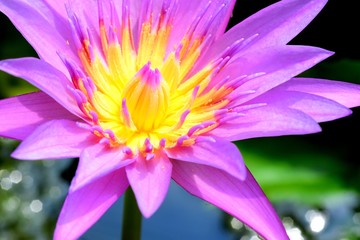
(149, 96)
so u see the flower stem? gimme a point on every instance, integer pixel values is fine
(131, 227)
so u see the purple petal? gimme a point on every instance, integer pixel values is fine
(57, 6)
(274, 65)
(150, 180)
(266, 121)
(188, 12)
(275, 25)
(220, 154)
(346, 94)
(44, 29)
(45, 77)
(82, 208)
(21, 115)
(243, 199)
(97, 161)
(55, 139)
(319, 108)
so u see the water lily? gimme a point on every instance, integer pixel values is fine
(143, 92)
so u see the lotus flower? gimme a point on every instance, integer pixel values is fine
(143, 92)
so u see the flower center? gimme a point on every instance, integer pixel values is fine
(141, 91)
(145, 100)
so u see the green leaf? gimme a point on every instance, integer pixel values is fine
(291, 170)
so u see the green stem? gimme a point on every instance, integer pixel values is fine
(131, 227)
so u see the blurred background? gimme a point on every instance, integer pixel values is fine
(312, 180)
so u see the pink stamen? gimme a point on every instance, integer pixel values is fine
(236, 46)
(218, 66)
(147, 11)
(162, 142)
(182, 119)
(221, 112)
(241, 108)
(114, 16)
(197, 20)
(229, 116)
(126, 20)
(74, 25)
(88, 88)
(81, 96)
(152, 78)
(198, 127)
(233, 49)
(204, 139)
(100, 12)
(168, 11)
(127, 151)
(193, 96)
(91, 84)
(177, 52)
(113, 35)
(149, 156)
(235, 83)
(69, 66)
(104, 141)
(91, 52)
(148, 146)
(110, 134)
(211, 20)
(181, 140)
(222, 82)
(236, 95)
(97, 129)
(75, 37)
(94, 116)
(195, 92)
(77, 99)
(156, 24)
(84, 126)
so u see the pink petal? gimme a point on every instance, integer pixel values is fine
(45, 77)
(57, 6)
(274, 65)
(97, 161)
(243, 199)
(188, 12)
(346, 94)
(319, 108)
(44, 29)
(55, 139)
(21, 115)
(275, 25)
(150, 180)
(88, 18)
(266, 121)
(83, 207)
(220, 154)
